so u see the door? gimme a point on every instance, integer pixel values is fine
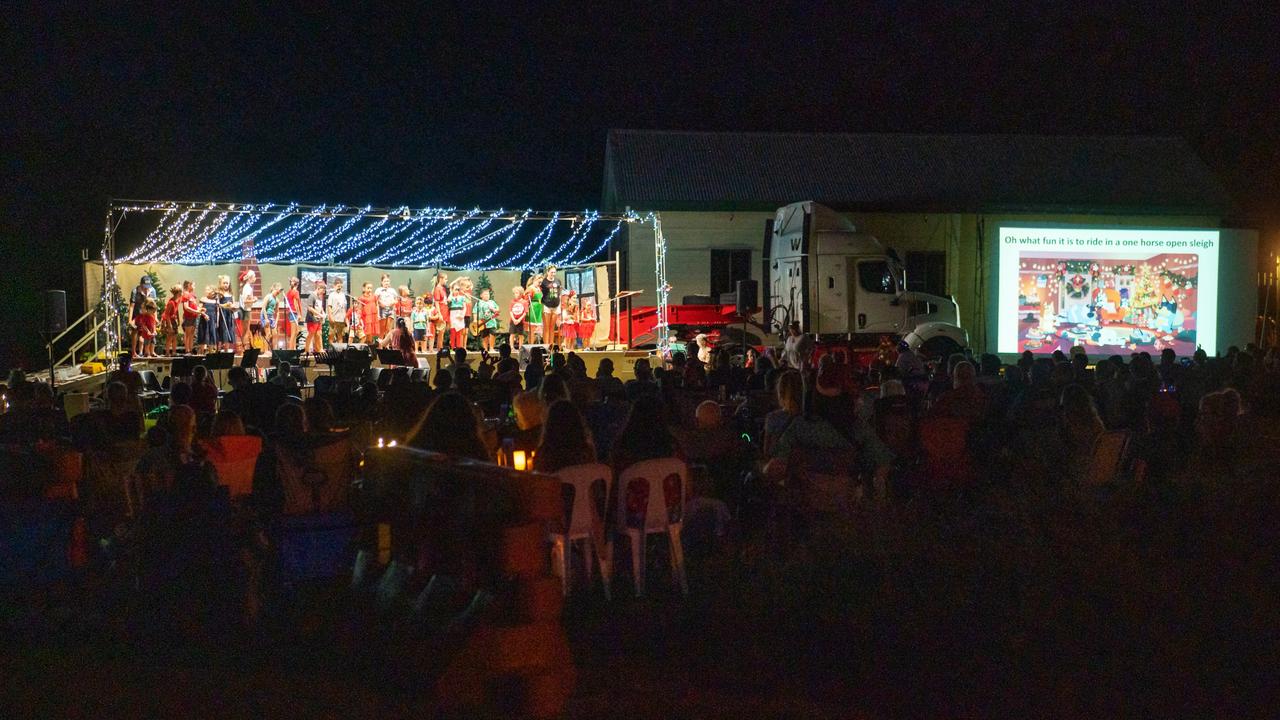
(832, 295)
(876, 290)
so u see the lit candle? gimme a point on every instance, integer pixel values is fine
(518, 460)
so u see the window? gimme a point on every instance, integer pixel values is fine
(727, 268)
(874, 277)
(927, 272)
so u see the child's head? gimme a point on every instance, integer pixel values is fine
(224, 282)
(337, 284)
(386, 280)
(275, 288)
(368, 287)
(404, 291)
(517, 291)
(210, 291)
(484, 294)
(149, 306)
(175, 291)
(441, 278)
(188, 286)
(320, 287)
(420, 302)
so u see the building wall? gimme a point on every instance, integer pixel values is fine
(968, 239)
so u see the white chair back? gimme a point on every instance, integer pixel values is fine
(665, 481)
(591, 484)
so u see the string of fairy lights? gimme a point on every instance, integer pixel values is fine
(195, 233)
(204, 233)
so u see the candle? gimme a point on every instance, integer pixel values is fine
(518, 460)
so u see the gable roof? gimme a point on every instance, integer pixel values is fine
(671, 170)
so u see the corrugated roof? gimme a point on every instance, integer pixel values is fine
(668, 170)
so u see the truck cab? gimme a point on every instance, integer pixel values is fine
(842, 285)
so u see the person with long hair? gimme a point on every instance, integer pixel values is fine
(247, 301)
(449, 426)
(400, 338)
(550, 287)
(227, 311)
(566, 441)
(189, 312)
(516, 316)
(440, 298)
(368, 313)
(292, 312)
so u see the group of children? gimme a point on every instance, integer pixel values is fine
(538, 312)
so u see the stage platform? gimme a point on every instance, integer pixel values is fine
(72, 380)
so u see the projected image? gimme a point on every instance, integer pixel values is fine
(1112, 305)
(1109, 291)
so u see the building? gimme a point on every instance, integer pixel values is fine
(937, 199)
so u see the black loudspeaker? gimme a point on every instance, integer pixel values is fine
(748, 297)
(55, 311)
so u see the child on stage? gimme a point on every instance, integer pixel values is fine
(387, 303)
(587, 318)
(421, 322)
(405, 307)
(368, 314)
(247, 301)
(486, 312)
(293, 311)
(169, 321)
(518, 313)
(189, 311)
(146, 324)
(459, 309)
(435, 326)
(569, 321)
(534, 294)
(440, 298)
(270, 308)
(316, 313)
(337, 304)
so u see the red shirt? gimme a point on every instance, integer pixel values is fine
(406, 306)
(519, 310)
(146, 324)
(189, 304)
(170, 310)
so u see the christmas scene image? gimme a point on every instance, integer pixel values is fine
(1107, 305)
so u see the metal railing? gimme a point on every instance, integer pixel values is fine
(90, 336)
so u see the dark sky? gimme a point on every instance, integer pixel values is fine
(506, 106)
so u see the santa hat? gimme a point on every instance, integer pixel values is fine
(244, 274)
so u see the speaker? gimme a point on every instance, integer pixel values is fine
(748, 297)
(55, 311)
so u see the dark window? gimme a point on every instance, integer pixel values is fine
(927, 272)
(874, 276)
(727, 268)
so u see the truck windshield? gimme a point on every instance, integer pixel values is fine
(875, 277)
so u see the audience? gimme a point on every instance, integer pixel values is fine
(565, 439)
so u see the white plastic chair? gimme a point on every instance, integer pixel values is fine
(651, 499)
(584, 520)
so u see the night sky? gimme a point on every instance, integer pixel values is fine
(504, 106)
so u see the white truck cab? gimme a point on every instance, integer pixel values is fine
(843, 285)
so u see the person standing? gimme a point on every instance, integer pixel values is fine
(337, 304)
(141, 295)
(459, 308)
(486, 312)
(534, 295)
(292, 313)
(516, 317)
(316, 313)
(169, 323)
(368, 314)
(421, 322)
(145, 324)
(270, 310)
(209, 318)
(388, 300)
(569, 321)
(247, 301)
(550, 288)
(440, 297)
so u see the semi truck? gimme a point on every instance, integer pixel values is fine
(846, 288)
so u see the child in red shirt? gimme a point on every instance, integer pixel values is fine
(145, 322)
